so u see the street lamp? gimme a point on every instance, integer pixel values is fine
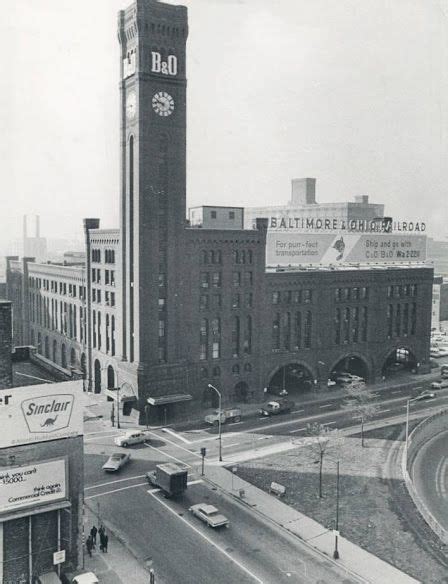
(219, 419)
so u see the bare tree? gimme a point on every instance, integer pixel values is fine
(359, 402)
(321, 439)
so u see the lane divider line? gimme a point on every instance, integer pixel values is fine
(115, 491)
(168, 455)
(176, 435)
(113, 482)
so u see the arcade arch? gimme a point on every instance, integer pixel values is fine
(292, 378)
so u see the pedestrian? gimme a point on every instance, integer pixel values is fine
(93, 533)
(102, 535)
(105, 542)
(89, 545)
(101, 530)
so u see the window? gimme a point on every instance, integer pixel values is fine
(355, 293)
(204, 257)
(389, 291)
(205, 279)
(405, 319)
(345, 294)
(355, 324)
(235, 300)
(93, 294)
(364, 293)
(236, 369)
(247, 344)
(248, 277)
(276, 332)
(236, 278)
(213, 214)
(216, 327)
(250, 256)
(112, 278)
(162, 304)
(389, 320)
(203, 302)
(287, 297)
(217, 300)
(413, 318)
(297, 296)
(216, 350)
(364, 324)
(287, 331)
(216, 279)
(308, 330)
(337, 327)
(112, 298)
(218, 257)
(235, 336)
(235, 257)
(398, 320)
(231, 214)
(275, 297)
(346, 326)
(162, 280)
(248, 299)
(307, 296)
(106, 277)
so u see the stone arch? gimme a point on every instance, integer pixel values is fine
(354, 363)
(97, 376)
(398, 359)
(110, 377)
(295, 377)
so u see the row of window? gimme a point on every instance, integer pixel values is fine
(238, 256)
(109, 297)
(109, 276)
(214, 279)
(350, 325)
(401, 320)
(44, 349)
(347, 294)
(216, 371)
(61, 288)
(109, 256)
(292, 331)
(241, 337)
(399, 291)
(56, 315)
(292, 297)
(109, 330)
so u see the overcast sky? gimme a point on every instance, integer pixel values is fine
(352, 92)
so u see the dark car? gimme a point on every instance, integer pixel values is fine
(279, 406)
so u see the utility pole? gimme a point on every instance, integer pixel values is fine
(336, 531)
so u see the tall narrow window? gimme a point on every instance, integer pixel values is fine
(235, 336)
(247, 347)
(276, 332)
(287, 331)
(298, 330)
(308, 329)
(337, 326)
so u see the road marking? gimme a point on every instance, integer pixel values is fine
(383, 411)
(100, 432)
(210, 541)
(115, 491)
(96, 438)
(328, 423)
(298, 430)
(396, 391)
(196, 482)
(233, 444)
(176, 435)
(297, 411)
(327, 406)
(113, 482)
(168, 455)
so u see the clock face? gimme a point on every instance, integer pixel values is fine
(163, 103)
(131, 105)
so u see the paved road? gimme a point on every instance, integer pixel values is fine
(182, 549)
(430, 475)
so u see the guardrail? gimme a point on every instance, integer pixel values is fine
(426, 430)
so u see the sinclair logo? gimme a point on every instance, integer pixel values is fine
(48, 413)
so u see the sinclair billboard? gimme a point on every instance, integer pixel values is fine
(39, 413)
(289, 248)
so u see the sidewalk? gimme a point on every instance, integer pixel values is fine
(118, 565)
(357, 561)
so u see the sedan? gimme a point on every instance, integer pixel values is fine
(425, 395)
(116, 461)
(131, 437)
(209, 515)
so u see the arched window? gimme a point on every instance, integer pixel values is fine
(72, 357)
(63, 356)
(204, 372)
(248, 367)
(216, 371)
(55, 351)
(236, 369)
(47, 348)
(204, 257)
(97, 376)
(110, 377)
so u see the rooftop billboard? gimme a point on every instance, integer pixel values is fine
(295, 248)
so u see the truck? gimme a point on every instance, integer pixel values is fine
(170, 478)
(280, 406)
(227, 415)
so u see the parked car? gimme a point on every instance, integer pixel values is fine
(116, 461)
(227, 415)
(209, 515)
(442, 384)
(86, 578)
(425, 395)
(131, 437)
(281, 406)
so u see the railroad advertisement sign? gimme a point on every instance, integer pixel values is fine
(37, 484)
(38, 413)
(293, 248)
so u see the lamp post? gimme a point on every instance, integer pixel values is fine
(336, 531)
(118, 407)
(219, 419)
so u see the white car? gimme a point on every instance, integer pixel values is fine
(131, 437)
(116, 461)
(209, 515)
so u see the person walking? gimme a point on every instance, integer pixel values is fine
(105, 542)
(102, 534)
(93, 533)
(89, 545)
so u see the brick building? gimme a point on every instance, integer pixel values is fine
(171, 306)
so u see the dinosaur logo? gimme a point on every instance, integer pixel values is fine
(48, 413)
(49, 422)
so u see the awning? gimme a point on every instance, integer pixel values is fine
(49, 578)
(113, 393)
(169, 399)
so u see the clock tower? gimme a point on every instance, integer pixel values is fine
(152, 37)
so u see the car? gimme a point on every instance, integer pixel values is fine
(131, 437)
(442, 384)
(425, 395)
(331, 383)
(116, 461)
(209, 515)
(345, 377)
(86, 578)
(281, 406)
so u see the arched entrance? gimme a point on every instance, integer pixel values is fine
(399, 360)
(110, 377)
(353, 365)
(97, 376)
(55, 351)
(293, 378)
(241, 391)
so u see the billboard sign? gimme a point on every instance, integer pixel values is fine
(38, 413)
(294, 248)
(36, 484)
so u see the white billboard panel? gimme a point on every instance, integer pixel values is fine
(38, 413)
(293, 248)
(37, 484)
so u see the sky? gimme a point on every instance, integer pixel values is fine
(351, 92)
